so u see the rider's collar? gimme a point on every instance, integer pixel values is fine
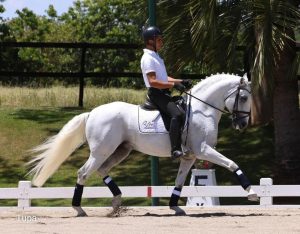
(151, 52)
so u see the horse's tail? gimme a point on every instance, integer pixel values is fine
(52, 153)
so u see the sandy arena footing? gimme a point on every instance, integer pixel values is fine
(139, 220)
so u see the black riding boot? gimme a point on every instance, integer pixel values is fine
(175, 137)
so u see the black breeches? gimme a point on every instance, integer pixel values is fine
(163, 100)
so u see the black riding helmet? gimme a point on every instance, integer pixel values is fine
(151, 32)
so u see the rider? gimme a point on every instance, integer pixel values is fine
(158, 83)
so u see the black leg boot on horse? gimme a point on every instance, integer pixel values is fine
(175, 137)
(115, 190)
(76, 201)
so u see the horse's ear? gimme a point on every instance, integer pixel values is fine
(242, 81)
(245, 77)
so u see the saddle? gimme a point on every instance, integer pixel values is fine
(179, 101)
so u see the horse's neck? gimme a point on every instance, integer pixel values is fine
(214, 95)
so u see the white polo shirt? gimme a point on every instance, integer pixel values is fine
(151, 62)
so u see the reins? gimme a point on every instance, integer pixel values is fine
(234, 112)
(225, 112)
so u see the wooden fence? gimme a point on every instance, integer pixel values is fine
(81, 74)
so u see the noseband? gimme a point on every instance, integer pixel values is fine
(235, 110)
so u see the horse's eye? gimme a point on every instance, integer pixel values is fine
(244, 98)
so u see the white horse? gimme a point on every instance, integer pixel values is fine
(112, 132)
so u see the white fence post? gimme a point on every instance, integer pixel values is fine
(266, 198)
(23, 200)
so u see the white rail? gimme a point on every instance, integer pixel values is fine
(266, 191)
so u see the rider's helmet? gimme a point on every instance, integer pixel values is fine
(151, 32)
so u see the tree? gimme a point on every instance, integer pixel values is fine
(209, 32)
(4, 28)
(107, 21)
(9, 56)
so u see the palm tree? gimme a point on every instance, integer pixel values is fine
(209, 32)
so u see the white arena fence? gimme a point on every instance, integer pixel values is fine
(266, 191)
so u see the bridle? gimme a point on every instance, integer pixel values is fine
(235, 111)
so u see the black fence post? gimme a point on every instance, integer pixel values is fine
(82, 75)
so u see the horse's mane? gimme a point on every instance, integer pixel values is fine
(209, 81)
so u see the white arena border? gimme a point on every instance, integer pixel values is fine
(266, 191)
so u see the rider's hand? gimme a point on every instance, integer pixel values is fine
(187, 83)
(180, 87)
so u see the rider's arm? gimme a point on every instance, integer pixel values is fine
(171, 79)
(157, 83)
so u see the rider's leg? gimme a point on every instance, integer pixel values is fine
(175, 130)
(165, 104)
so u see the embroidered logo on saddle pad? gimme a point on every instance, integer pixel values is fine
(150, 121)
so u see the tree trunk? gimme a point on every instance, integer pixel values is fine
(261, 106)
(286, 120)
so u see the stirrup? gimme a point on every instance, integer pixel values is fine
(176, 154)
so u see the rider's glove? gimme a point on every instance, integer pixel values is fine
(187, 84)
(180, 87)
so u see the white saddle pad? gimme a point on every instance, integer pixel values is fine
(150, 121)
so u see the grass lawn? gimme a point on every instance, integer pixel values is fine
(27, 119)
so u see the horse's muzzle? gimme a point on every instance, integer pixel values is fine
(240, 124)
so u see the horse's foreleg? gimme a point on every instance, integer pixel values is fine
(210, 154)
(185, 166)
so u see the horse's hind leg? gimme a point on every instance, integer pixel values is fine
(84, 172)
(210, 154)
(118, 156)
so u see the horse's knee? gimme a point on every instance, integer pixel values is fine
(81, 176)
(233, 166)
(210, 154)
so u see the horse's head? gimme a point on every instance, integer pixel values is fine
(238, 103)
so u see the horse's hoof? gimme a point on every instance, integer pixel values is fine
(116, 201)
(117, 212)
(178, 211)
(252, 196)
(80, 211)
